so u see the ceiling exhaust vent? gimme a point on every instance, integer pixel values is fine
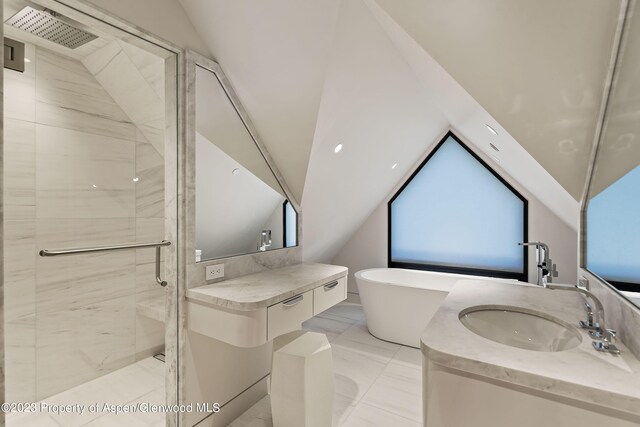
(48, 25)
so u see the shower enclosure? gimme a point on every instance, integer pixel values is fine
(90, 169)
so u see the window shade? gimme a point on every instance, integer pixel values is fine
(613, 231)
(455, 212)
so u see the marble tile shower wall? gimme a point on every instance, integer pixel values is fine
(72, 153)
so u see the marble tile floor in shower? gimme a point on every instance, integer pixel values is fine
(142, 382)
(377, 383)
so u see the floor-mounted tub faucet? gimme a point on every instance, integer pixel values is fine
(546, 268)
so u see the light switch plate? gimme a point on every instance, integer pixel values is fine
(214, 272)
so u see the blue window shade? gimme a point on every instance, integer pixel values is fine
(613, 231)
(290, 226)
(455, 214)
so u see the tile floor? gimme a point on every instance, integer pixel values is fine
(377, 383)
(142, 381)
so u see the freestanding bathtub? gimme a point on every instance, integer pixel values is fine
(399, 303)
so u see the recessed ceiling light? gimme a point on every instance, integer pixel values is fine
(236, 171)
(136, 179)
(94, 186)
(394, 166)
(494, 147)
(27, 60)
(492, 130)
(338, 148)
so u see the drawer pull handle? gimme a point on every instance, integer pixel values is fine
(331, 285)
(293, 301)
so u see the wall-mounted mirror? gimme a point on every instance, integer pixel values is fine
(612, 216)
(240, 205)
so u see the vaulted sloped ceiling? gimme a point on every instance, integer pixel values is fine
(370, 75)
(389, 101)
(538, 67)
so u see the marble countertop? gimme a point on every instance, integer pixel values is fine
(260, 290)
(581, 373)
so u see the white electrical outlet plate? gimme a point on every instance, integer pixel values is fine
(214, 271)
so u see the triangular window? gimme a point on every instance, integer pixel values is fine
(455, 214)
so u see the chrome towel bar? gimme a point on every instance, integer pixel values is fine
(58, 252)
(77, 251)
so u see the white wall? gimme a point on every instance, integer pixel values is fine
(375, 105)
(367, 248)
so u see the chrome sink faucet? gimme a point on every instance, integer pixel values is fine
(265, 240)
(589, 323)
(546, 268)
(604, 337)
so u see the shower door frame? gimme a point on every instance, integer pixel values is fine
(174, 104)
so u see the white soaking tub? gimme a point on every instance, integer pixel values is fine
(399, 303)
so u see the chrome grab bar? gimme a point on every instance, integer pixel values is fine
(76, 251)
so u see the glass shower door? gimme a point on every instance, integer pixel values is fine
(84, 144)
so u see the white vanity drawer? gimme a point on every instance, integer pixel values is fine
(288, 315)
(329, 295)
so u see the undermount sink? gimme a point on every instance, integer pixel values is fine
(519, 328)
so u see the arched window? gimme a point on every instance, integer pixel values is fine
(455, 214)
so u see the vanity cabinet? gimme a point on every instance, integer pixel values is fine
(503, 383)
(328, 295)
(288, 315)
(253, 310)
